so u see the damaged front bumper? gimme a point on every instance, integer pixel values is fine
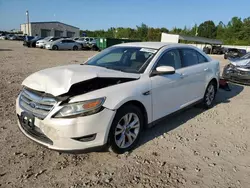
(68, 134)
(237, 75)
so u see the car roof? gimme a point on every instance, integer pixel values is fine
(154, 45)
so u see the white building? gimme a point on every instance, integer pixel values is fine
(44, 29)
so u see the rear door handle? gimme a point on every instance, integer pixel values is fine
(206, 69)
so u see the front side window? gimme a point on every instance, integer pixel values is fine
(201, 58)
(189, 57)
(170, 58)
(126, 59)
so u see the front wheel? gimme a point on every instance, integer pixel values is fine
(209, 96)
(75, 48)
(94, 48)
(54, 47)
(126, 129)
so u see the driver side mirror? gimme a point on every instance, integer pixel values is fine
(162, 70)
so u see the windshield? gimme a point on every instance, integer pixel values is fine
(125, 59)
(47, 38)
(247, 56)
(81, 39)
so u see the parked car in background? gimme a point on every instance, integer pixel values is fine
(87, 43)
(111, 98)
(3, 37)
(238, 70)
(12, 37)
(9, 36)
(63, 44)
(213, 49)
(43, 42)
(27, 40)
(233, 53)
(32, 42)
(217, 49)
(20, 37)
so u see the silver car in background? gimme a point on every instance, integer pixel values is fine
(43, 42)
(63, 44)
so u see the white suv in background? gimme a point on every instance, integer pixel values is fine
(111, 98)
(87, 42)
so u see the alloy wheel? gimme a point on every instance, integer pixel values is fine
(210, 94)
(127, 130)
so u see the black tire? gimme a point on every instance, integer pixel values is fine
(94, 48)
(33, 44)
(118, 117)
(55, 47)
(75, 48)
(209, 96)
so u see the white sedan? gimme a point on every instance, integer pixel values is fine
(111, 98)
(63, 44)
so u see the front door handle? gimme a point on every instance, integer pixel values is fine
(206, 69)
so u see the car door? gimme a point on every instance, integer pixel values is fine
(169, 90)
(194, 75)
(62, 45)
(71, 43)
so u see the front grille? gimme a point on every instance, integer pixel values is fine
(35, 133)
(36, 103)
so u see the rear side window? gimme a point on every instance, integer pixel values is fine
(189, 57)
(201, 58)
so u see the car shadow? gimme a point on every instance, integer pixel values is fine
(5, 50)
(178, 119)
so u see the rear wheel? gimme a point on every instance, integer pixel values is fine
(54, 47)
(126, 129)
(208, 99)
(75, 47)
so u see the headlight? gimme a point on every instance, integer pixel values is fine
(231, 66)
(80, 108)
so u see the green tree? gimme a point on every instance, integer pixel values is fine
(207, 29)
(142, 31)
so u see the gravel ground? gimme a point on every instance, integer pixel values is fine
(193, 149)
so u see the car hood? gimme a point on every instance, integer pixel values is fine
(42, 41)
(240, 62)
(58, 80)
